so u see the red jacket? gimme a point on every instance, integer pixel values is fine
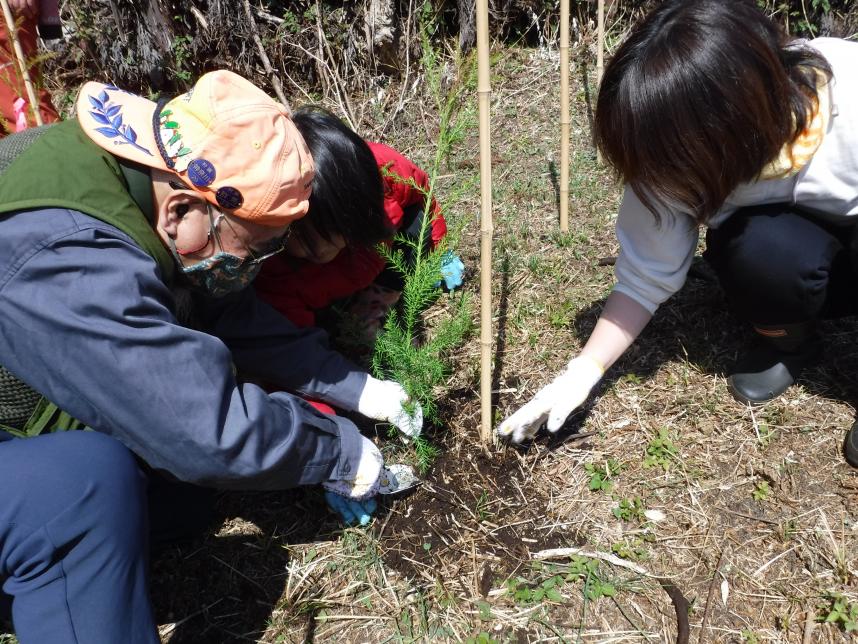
(298, 288)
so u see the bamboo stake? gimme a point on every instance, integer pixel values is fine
(22, 64)
(484, 98)
(564, 116)
(600, 52)
(600, 55)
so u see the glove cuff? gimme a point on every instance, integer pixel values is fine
(363, 482)
(372, 398)
(586, 368)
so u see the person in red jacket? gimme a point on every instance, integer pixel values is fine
(363, 194)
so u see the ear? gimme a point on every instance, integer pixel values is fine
(173, 209)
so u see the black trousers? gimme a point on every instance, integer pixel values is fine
(778, 265)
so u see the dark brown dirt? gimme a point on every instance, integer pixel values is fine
(471, 508)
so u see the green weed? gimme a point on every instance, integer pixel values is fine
(630, 510)
(762, 491)
(535, 264)
(749, 637)
(579, 569)
(483, 502)
(787, 530)
(596, 588)
(839, 611)
(182, 55)
(766, 434)
(631, 549)
(523, 592)
(570, 239)
(661, 451)
(485, 611)
(562, 316)
(601, 475)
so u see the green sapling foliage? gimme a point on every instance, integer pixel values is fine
(405, 351)
(400, 352)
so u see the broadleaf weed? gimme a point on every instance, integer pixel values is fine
(838, 610)
(601, 475)
(661, 451)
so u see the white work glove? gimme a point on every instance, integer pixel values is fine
(555, 401)
(362, 483)
(383, 400)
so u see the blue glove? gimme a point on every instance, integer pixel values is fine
(452, 270)
(350, 510)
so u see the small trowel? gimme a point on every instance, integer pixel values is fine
(397, 479)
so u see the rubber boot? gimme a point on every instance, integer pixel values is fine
(774, 361)
(850, 445)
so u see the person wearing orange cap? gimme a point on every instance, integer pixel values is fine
(127, 238)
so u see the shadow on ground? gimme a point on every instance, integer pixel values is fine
(696, 326)
(225, 586)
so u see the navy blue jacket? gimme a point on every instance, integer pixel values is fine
(86, 320)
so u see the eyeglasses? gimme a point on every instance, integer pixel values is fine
(254, 255)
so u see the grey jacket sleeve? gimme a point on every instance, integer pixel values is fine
(87, 322)
(654, 258)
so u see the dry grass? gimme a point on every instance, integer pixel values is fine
(751, 514)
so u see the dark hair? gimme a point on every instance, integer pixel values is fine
(699, 98)
(348, 196)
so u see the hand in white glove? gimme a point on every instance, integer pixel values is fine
(363, 481)
(384, 399)
(555, 401)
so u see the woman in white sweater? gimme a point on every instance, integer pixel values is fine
(714, 118)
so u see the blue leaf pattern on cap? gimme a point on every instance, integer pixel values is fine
(110, 116)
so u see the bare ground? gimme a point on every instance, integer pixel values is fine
(738, 524)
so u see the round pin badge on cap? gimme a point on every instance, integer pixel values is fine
(201, 172)
(229, 197)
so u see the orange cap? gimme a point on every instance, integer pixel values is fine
(225, 138)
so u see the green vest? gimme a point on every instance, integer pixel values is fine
(58, 166)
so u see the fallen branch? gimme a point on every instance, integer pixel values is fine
(339, 92)
(254, 30)
(709, 595)
(809, 623)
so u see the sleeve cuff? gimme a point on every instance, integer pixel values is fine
(637, 297)
(348, 391)
(350, 450)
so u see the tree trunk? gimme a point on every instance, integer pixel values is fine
(380, 22)
(467, 26)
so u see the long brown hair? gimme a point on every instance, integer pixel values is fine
(700, 96)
